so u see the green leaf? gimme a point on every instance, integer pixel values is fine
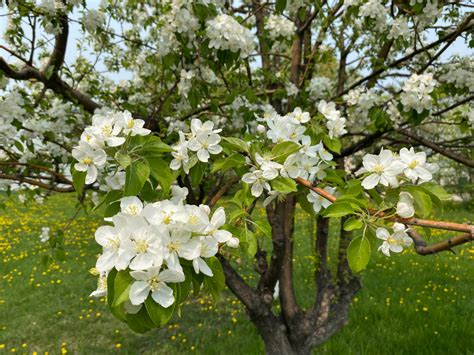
(122, 284)
(155, 146)
(335, 176)
(282, 150)
(423, 204)
(358, 253)
(352, 224)
(280, 6)
(112, 209)
(111, 196)
(136, 175)
(436, 192)
(215, 284)
(249, 241)
(196, 173)
(354, 187)
(354, 201)
(284, 185)
(123, 159)
(339, 209)
(140, 322)
(161, 172)
(236, 214)
(183, 288)
(333, 144)
(305, 204)
(78, 179)
(158, 314)
(116, 311)
(232, 161)
(235, 144)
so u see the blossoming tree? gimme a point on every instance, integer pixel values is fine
(181, 122)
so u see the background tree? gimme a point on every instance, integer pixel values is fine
(369, 75)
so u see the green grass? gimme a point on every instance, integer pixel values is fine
(408, 305)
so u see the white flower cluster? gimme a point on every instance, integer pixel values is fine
(308, 163)
(336, 124)
(151, 240)
(225, 33)
(319, 87)
(431, 12)
(360, 102)
(183, 19)
(460, 73)
(416, 92)
(92, 20)
(203, 139)
(44, 236)
(107, 130)
(387, 169)
(393, 242)
(470, 117)
(11, 108)
(279, 26)
(375, 10)
(185, 82)
(399, 28)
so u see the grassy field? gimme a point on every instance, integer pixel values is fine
(409, 304)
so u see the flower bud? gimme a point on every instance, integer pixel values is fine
(405, 207)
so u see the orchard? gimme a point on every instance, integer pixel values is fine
(199, 130)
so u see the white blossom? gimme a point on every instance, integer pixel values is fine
(279, 26)
(258, 182)
(44, 236)
(416, 92)
(393, 242)
(405, 208)
(89, 160)
(318, 201)
(225, 33)
(415, 165)
(383, 169)
(153, 280)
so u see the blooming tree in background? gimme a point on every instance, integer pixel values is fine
(234, 114)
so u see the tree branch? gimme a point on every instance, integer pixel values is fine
(26, 180)
(423, 249)
(464, 26)
(452, 226)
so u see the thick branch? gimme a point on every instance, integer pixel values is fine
(238, 286)
(423, 249)
(56, 59)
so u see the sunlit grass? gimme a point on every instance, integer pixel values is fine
(409, 304)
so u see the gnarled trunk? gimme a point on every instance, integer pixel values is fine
(294, 330)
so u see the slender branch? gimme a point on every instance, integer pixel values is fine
(26, 180)
(59, 176)
(221, 192)
(464, 26)
(452, 226)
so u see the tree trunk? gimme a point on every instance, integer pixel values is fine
(274, 335)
